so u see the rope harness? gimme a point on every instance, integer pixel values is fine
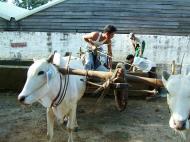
(62, 92)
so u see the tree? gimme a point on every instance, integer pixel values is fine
(28, 4)
(31, 4)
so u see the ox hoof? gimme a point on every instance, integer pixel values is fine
(76, 129)
(49, 138)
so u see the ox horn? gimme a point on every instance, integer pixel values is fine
(51, 56)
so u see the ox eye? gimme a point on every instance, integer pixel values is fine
(40, 72)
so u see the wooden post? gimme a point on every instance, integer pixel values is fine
(173, 67)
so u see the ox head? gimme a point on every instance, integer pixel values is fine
(178, 99)
(39, 81)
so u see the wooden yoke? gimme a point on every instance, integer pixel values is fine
(89, 73)
(107, 75)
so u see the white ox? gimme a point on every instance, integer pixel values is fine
(43, 85)
(178, 99)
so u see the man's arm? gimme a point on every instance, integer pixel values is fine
(140, 48)
(133, 46)
(89, 38)
(140, 52)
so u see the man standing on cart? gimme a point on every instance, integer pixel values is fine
(95, 41)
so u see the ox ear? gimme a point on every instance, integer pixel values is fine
(51, 56)
(165, 77)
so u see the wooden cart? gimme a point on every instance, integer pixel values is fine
(119, 82)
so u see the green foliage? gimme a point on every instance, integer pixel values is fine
(31, 4)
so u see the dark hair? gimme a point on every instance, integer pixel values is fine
(110, 29)
(130, 56)
(67, 54)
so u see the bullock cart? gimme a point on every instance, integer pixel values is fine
(117, 83)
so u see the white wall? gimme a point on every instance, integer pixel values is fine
(160, 49)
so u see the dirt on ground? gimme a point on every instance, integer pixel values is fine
(142, 121)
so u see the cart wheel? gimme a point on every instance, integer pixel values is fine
(121, 98)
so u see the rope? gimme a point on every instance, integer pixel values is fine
(57, 96)
(61, 94)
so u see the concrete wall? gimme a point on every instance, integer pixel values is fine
(29, 45)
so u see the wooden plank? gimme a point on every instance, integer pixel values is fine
(111, 13)
(100, 27)
(100, 24)
(85, 22)
(92, 27)
(75, 17)
(118, 9)
(127, 2)
(125, 6)
(86, 30)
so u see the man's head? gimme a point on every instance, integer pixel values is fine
(131, 36)
(109, 31)
(130, 58)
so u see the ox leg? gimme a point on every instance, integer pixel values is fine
(71, 123)
(70, 139)
(50, 124)
(76, 127)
